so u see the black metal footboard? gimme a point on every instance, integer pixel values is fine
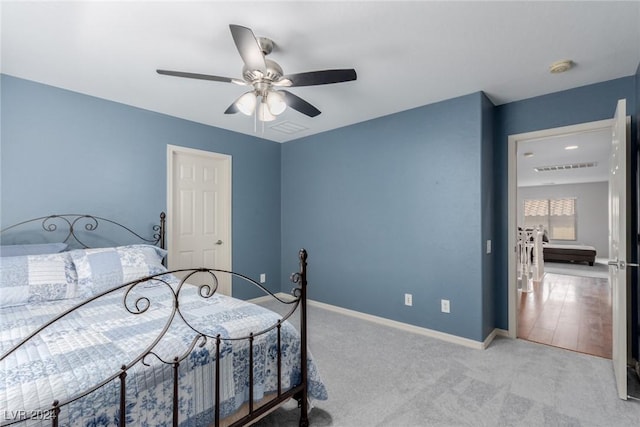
(136, 303)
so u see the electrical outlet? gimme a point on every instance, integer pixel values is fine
(488, 246)
(445, 307)
(263, 277)
(408, 299)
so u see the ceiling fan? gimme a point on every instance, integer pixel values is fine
(267, 79)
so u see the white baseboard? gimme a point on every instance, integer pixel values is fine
(267, 298)
(259, 300)
(496, 332)
(480, 345)
(501, 332)
(407, 327)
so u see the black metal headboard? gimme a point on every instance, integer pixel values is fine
(72, 223)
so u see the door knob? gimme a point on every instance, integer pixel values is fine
(219, 242)
(622, 264)
(617, 264)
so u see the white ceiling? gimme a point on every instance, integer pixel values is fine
(592, 147)
(406, 54)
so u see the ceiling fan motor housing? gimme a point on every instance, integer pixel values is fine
(273, 73)
(266, 45)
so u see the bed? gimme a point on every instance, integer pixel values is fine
(568, 253)
(108, 336)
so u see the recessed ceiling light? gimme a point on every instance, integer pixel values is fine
(561, 66)
(528, 154)
(570, 147)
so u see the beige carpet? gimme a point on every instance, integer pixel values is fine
(381, 376)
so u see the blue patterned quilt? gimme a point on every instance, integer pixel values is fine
(80, 350)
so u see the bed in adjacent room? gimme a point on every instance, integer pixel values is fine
(107, 336)
(568, 253)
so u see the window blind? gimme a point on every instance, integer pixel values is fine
(557, 216)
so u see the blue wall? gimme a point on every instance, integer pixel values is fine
(400, 204)
(580, 105)
(393, 206)
(63, 152)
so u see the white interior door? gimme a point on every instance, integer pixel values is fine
(199, 205)
(618, 245)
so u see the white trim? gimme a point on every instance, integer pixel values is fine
(501, 332)
(393, 323)
(406, 327)
(173, 149)
(489, 339)
(513, 140)
(267, 298)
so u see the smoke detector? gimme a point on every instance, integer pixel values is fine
(561, 66)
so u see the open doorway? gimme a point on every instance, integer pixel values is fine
(559, 188)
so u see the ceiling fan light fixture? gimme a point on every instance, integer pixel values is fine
(276, 102)
(264, 115)
(246, 104)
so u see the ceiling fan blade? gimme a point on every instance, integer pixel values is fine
(232, 109)
(248, 47)
(323, 77)
(200, 76)
(299, 104)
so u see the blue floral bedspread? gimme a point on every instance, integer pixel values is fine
(80, 350)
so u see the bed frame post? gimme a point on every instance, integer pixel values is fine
(55, 409)
(304, 402)
(123, 396)
(163, 220)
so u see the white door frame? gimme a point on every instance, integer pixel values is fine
(512, 281)
(173, 149)
(618, 246)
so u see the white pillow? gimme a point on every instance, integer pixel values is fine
(36, 278)
(104, 268)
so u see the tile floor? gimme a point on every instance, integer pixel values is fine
(570, 312)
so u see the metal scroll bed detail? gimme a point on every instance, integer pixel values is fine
(136, 303)
(72, 224)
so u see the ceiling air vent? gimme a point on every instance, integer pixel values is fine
(566, 167)
(288, 127)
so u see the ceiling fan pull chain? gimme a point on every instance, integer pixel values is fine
(255, 121)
